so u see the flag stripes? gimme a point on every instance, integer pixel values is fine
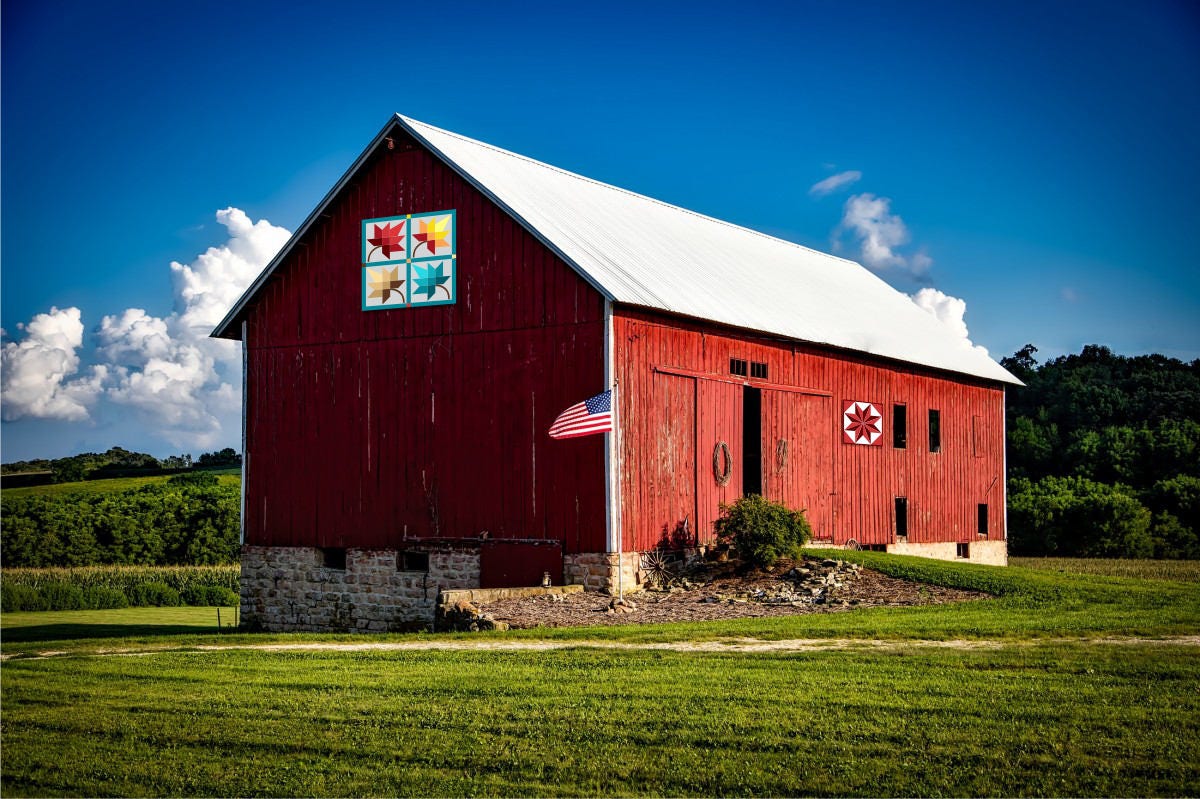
(593, 415)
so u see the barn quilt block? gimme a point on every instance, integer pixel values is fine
(409, 260)
(862, 423)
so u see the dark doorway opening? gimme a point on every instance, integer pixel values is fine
(751, 441)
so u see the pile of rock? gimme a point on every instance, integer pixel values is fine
(813, 582)
(462, 616)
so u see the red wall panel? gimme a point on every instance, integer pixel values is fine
(367, 428)
(847, 490)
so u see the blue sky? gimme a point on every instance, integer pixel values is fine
(1038, 162)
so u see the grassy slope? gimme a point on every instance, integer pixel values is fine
(224, 477)
(1031, 717)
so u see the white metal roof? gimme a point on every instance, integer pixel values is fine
(640, 251)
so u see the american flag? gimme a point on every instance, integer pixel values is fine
(593, 415)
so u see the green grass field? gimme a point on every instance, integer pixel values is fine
(224, 477)
(1052, 689)
(1182, 570)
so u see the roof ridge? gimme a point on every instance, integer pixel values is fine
(622, 190)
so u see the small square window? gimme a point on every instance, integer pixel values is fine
(758, 370)
(737, 366)
(962, 551)
(334, 558)
(412, 561)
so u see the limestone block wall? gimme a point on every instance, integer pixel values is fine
(604, 571)
(289, 589)
(990, 553)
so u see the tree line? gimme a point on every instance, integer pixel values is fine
(1104, 455)
(118, 462)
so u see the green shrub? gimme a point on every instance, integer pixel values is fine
(97, 597)
(62, 596)
(15, 597)
(209, 596)
(154, 595)
(762, 531)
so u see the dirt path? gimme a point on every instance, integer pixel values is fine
(734, 645)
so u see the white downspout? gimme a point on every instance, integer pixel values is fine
(245, 405)
(612, 453)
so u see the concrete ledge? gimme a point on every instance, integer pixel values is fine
(485, 595)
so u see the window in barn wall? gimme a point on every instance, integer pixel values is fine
(412, 561)
(758, 370)
(334, 558)
(983, 520)
(737, 366)
(935, 431)
(900, 426)
(902, 517)
(962, 551)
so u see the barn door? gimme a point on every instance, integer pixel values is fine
(662, 481)
(797, 462)
(719, 451)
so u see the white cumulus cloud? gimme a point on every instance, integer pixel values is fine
(167, 367)
(834, 182)
(35, 370)
(950, 311)
(880, 234)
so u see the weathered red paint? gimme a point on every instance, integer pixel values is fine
(369, 428)
(373, 429)
(678, 401)
(505, 563)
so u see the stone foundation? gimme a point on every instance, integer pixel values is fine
(291, 589)
(604, 571)
(989, 553)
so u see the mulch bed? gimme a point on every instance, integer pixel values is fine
(711, 591)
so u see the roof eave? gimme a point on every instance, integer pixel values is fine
(229, 327)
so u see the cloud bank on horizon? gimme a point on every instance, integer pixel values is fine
(184, 386)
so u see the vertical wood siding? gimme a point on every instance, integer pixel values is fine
(370, 428)
(848, 491)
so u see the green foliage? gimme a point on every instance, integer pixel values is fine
(99, 597)
(1076, 517)
(762, 531)
(188, 519)
(121, 586)
(1129, 424)
(209, 595)
(15, 597)
(156, 595)
(61, 596)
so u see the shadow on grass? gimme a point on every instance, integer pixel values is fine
(73, 632)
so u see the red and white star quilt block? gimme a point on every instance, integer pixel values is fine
(862, 423)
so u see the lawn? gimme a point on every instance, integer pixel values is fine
(1040, 691)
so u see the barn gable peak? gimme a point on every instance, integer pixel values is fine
(638, 251)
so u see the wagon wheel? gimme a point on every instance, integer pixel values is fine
(852, 544)
(656, 569)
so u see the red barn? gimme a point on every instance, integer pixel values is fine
(409, 348)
